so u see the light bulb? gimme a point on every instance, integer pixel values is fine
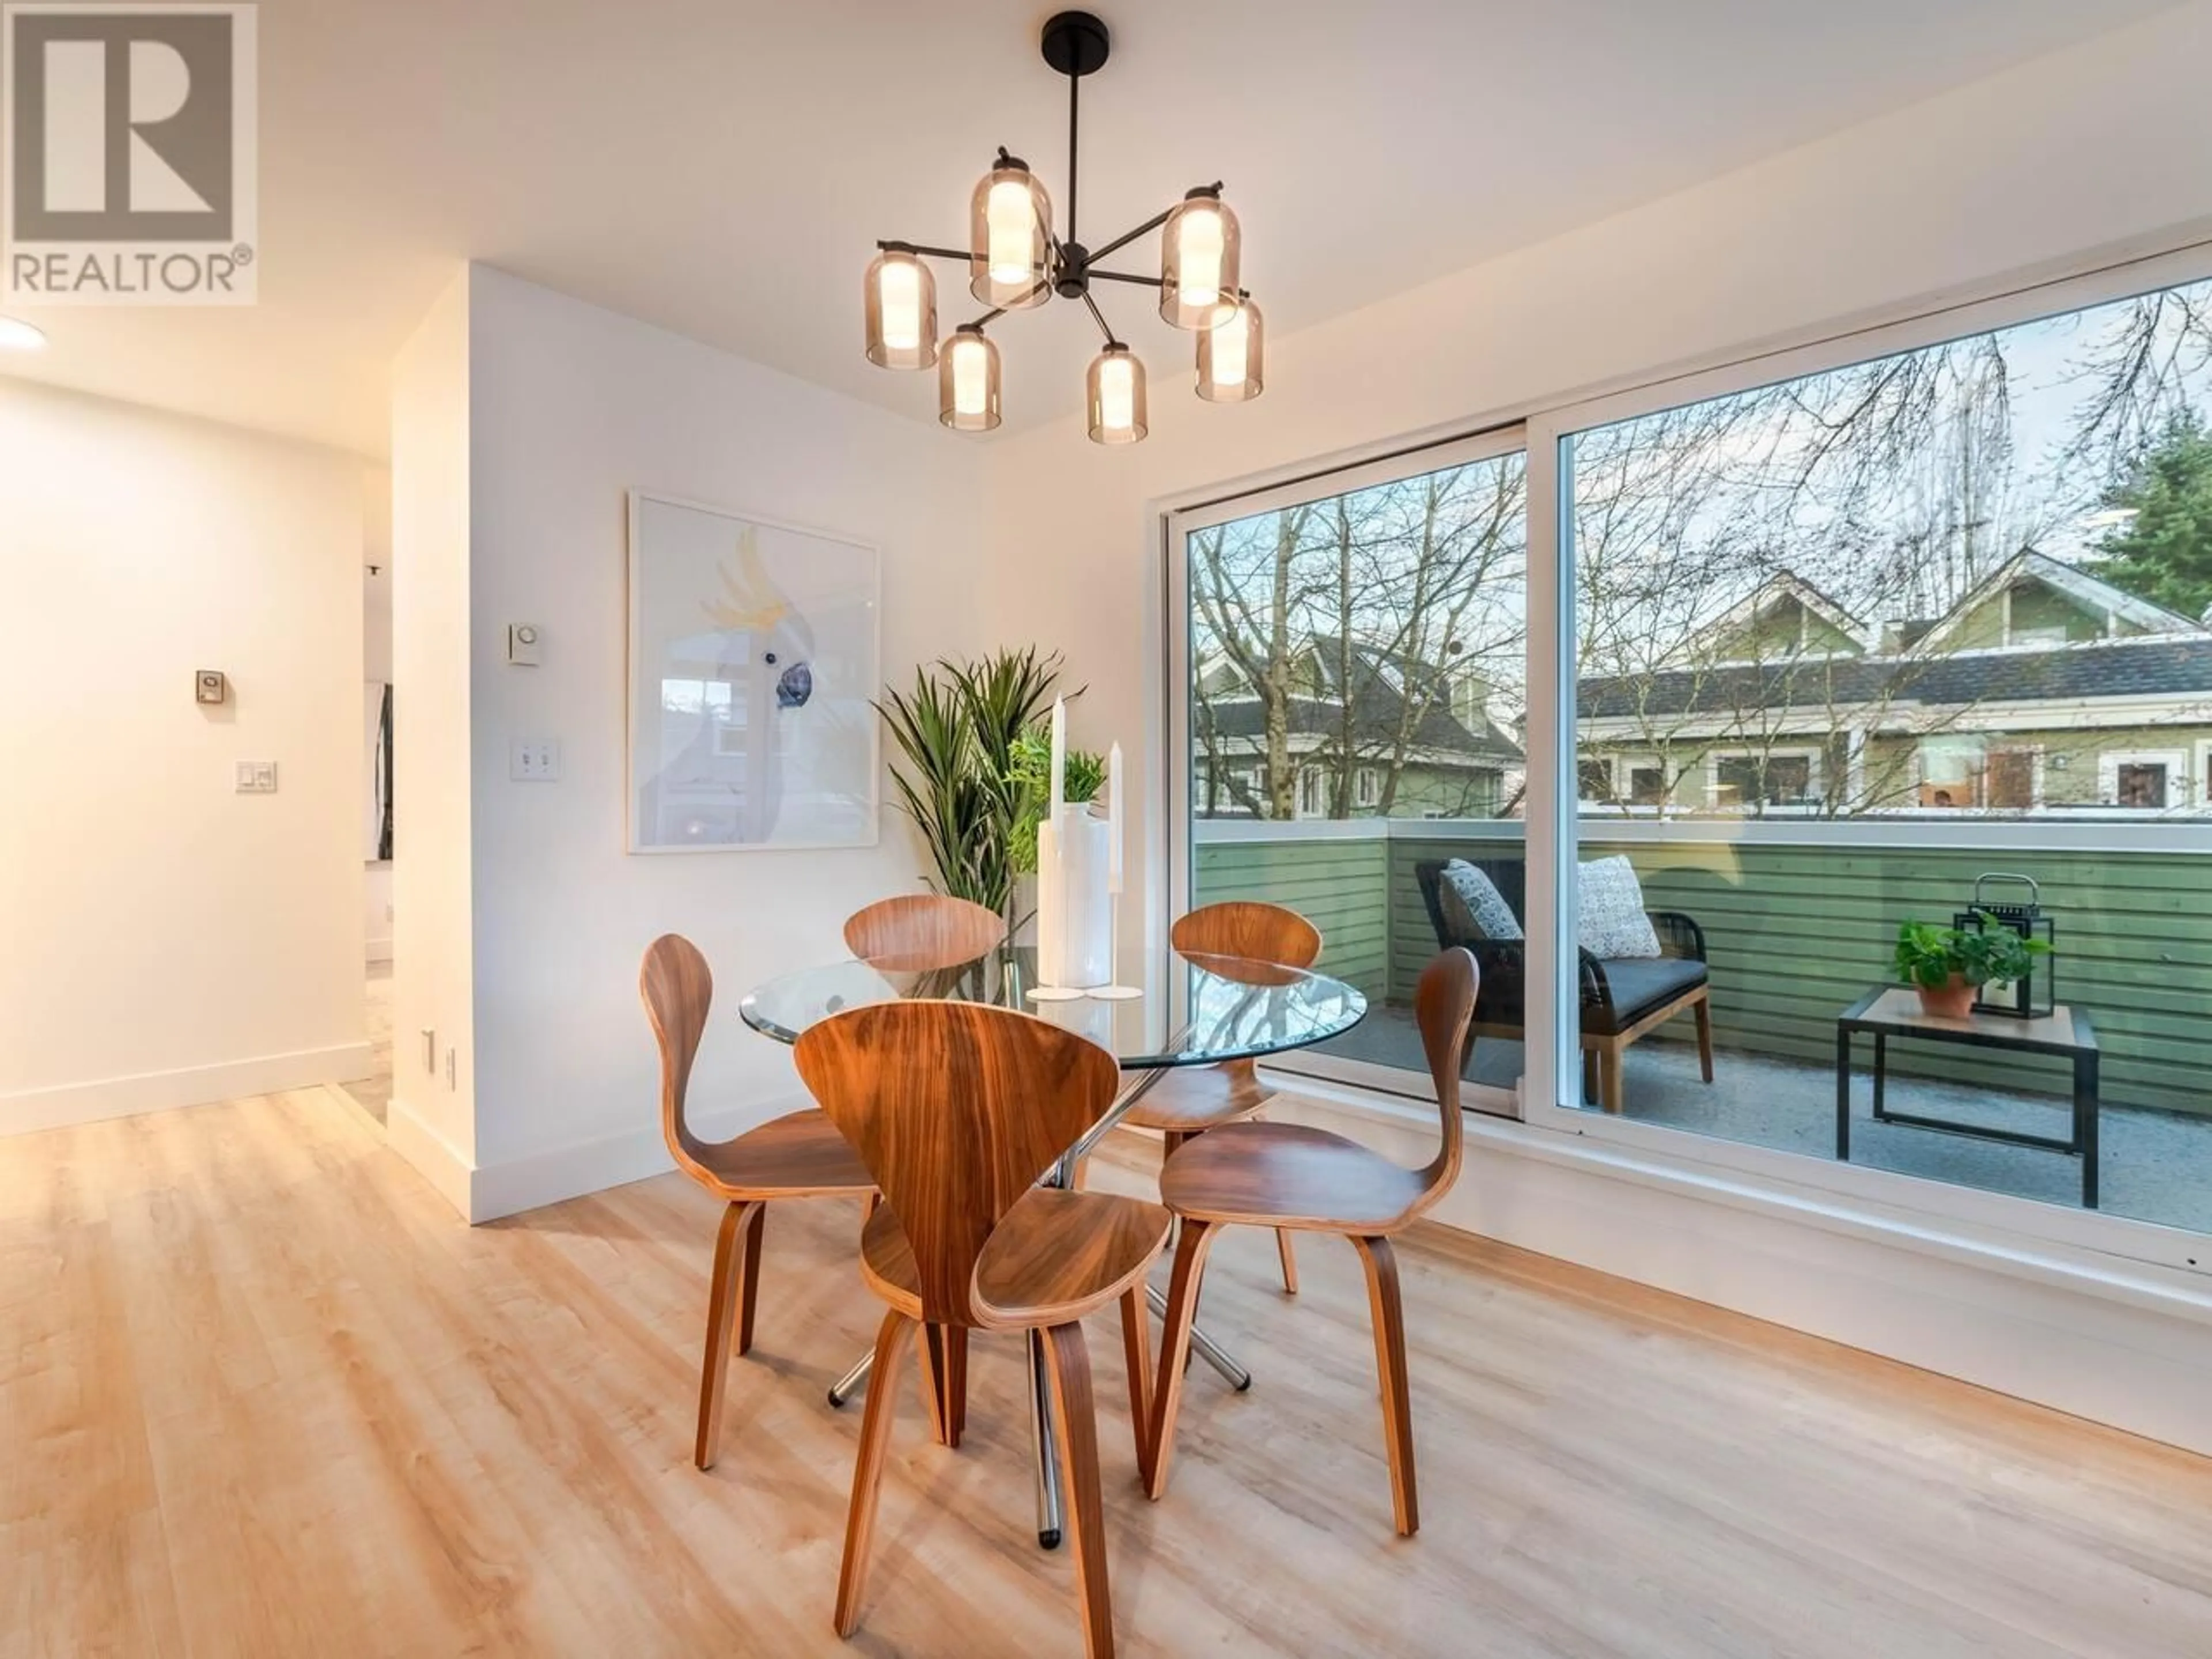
(1116, 395)
(1012, 217)
(970, 377)
(1198, 282)
(1229, 338)
(901, 297)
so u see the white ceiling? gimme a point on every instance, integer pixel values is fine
(723, 167)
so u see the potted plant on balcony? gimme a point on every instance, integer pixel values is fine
(1948, 966)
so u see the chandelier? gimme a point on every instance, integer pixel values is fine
(1016, 262)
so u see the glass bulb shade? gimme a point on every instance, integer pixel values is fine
(1200, 256)
(17, 335)
(1118, 397)
(1232, 357)
(967, 383)
(1008, 254)
(901, 298)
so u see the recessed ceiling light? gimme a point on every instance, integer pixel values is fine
(17, 335)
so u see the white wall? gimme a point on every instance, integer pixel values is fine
(570, 406)
(163, 939)
(432, 1118)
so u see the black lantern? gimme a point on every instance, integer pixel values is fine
(2033, 996)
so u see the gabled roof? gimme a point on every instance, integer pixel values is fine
(2091, 592)
(1784, 585)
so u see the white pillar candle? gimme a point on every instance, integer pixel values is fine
(1114, 818)
(1059, 756)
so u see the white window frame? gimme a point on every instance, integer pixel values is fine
(1551, 1084)
(1552, 1050)
(2175, 761)
(1303, 483)
(1366, 787)
(2204, 772)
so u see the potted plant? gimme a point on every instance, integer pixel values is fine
(957, 730)
(1948, 966)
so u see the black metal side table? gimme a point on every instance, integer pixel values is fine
(1894, 1012)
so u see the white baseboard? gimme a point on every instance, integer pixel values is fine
(191, 1086)
(2116, 1342)
(436, 1159)
(481, 1192)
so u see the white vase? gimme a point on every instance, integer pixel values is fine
(1075, 903)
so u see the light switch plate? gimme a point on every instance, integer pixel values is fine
(535, 761)
(256, 777)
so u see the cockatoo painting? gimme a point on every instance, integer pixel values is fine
(759, 730)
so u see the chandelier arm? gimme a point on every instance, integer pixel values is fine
(1097, 276)
(1099, 317)
(1129, 236)
(997, 312)
(959, 253)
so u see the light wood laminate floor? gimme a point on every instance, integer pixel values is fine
(261, 1393)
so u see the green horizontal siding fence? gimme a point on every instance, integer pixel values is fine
(1796, 933)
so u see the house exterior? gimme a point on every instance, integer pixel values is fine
(1365, 732)
(2043, 690)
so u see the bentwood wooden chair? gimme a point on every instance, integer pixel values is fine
(1288, 1175)
(1189, 1100)
(916, 932)
(957, 1110)
(800, 1155)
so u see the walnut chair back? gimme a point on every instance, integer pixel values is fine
(1443, 1008)
(917, 932)
(679, 991)
(1248, 928)
(956, 1109)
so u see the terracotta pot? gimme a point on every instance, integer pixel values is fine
(1954, 1000)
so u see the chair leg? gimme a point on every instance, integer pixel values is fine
(1288, 1256)
(722, 1318)
(1706, 1036)
(748, 1294)
(1175, 1348)
(1389, 1316)
(1589, 1076)
(1075, 1426)
(868, 1469)
(1608, 1072)
(943, 1351)
(1137, 1355)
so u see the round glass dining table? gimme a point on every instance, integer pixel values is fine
(1186, 1011)
(1190, 1010)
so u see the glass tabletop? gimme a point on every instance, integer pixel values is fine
(1190, 1011)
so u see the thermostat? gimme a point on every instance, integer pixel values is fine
(209, 686)
(523, 644)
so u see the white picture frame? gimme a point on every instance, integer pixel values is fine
(755, 730)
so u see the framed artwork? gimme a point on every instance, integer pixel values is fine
(753, 650)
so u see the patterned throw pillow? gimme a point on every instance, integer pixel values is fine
(1613, 925)
(1484, 906)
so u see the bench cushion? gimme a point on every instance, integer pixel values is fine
(1640, 984)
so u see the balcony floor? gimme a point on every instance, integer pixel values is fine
(2156, 1165)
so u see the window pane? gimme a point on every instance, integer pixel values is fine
(1357, 691)
(1869, 648)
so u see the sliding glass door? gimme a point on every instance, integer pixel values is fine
(1349, 714)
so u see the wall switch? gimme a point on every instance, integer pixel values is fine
(535, 761)
(525, 644)
(256, 777)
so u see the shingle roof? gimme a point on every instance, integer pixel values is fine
(2109, 668)
(1377, 706)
